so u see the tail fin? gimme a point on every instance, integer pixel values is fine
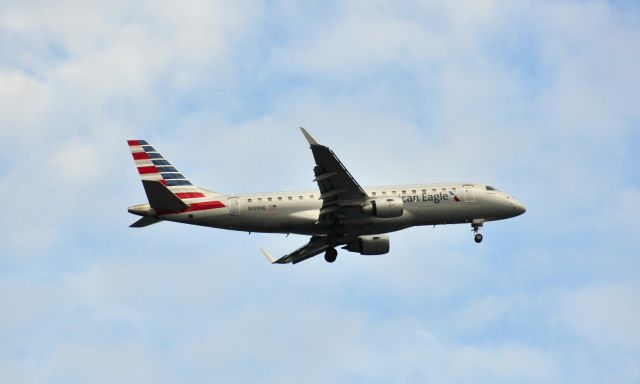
(161, 198)
(166, 188)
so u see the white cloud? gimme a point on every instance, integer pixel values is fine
(537, 97)
(502, 363)
(76, 362)
(482, 312)
(604, 313)
(77, 162)
(24, 104)
(310, 339)
(23, 301)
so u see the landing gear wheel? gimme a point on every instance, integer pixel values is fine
(476, 224)
(331, 255)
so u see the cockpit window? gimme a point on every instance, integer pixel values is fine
(490, 188)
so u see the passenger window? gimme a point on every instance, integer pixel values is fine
(404, 192)
(393, 192)
(279, 198)
(384, 192)
(424, 191)
(248, 200)
(453, 189)
(373, 193)
(290, 198)
(433, 190)
(269, 199)
(300, 197)
(311, 196)
(259, 198)
(413, 191)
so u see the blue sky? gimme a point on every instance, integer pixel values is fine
(539, 98)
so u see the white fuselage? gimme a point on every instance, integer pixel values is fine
(298, 212)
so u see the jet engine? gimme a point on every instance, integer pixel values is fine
(369, 245)
(384, 207)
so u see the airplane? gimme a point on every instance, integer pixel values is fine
(340, 213)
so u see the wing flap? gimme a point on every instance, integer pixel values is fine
(316, 245)
(325, 176)
(342, 184)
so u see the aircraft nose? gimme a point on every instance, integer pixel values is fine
(518, 207)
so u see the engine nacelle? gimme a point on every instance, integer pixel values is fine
(369, 245)
(384, 207)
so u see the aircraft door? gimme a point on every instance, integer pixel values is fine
(234, 206)
(469, 194)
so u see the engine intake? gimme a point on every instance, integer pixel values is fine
(369, 245)
(384, 207)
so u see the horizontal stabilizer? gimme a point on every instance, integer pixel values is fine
(161, 198)
(145, 221)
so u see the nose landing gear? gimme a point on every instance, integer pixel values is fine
(330, 255)
(476, 225)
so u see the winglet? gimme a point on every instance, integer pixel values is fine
(307, 136)
(266, 254)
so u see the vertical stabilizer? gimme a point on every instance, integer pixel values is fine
(153, 166)
(166, 188)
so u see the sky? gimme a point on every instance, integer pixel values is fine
(538, 98)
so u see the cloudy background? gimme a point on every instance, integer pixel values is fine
(538, 98)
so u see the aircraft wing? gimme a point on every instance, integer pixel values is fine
(337, 187)
(316, 245)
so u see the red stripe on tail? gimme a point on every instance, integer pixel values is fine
(133, 142)
(140, 156)
(195, 207)
(204, 205)
(189, 195)
(146, 170)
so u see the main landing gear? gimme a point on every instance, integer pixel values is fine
(330, 255)
(476, 225)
